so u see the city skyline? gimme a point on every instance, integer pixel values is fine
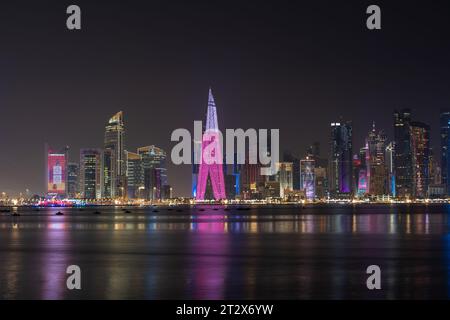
(340, 172)
(298, 76)
(299, 156)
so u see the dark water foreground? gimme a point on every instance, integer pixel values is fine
(319, 252)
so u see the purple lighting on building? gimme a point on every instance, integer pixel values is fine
(211, 159)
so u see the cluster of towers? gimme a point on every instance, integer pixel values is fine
(404, 168)
(109, 173)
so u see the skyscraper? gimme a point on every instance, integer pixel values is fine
(196, 154)
(289, 157)
(91, 173)
(420, 151)
(285, 177)
(307, 178)
(109, 174)
(211, 164)
(73, 171)
(154, 171)
(251, 180)
(389, 161)
(341, 160)
(56, 172)
(402, 159)
(135, 175)
(444, 131)
(115, 164)
(375, 166)
(232, 174)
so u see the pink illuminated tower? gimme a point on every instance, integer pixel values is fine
(211, 159)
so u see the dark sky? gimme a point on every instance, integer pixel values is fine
(292, 65)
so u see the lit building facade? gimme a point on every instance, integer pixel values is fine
(56, 172)
(91, 173)
(402, 159)
(211, 170)
(285, 177)
(420, 151)
(154, 171)
(308, 178)
(389, 161)
(109, 174)
(135, 176)
(114, 147)
(444, 133)
(341, 160)
(375, 164)
(289, 157)
(73, 171)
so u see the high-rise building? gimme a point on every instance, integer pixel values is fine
(308, 178)
(154, 171)
(91, 173)
(321, 178)
(73, 171)
(389, 162)
(420, 151)
(402, 160)
(252, 181)
(375, 164)
(56, 171)
(109, 174)
(341, 160)
(211, 169)
(444, 131)
(196, 154)
(289, 157)
(232, 175)
(135, 175)
(114, 147)
(285, 175)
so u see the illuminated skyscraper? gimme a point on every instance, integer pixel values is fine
(115, 164)
(444, 131)
(211, 163)
(389, 161)
(73, 171)
(154, 171)
(196, 154)
(135, 175)
(420, 151)
(289, 157)
(285, 177)
(251, 180)
(307, 178)
(402, 159)
(341, 160)
(375, 164)
(109, 173)
(56, 172)
(91, 173)
(232, 174)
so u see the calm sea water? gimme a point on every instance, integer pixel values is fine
(319, 252)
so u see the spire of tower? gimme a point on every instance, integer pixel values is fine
(210, 97)
(211, 115)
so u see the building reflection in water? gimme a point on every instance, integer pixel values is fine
(233, 254)
(207, 272)
(54, 259)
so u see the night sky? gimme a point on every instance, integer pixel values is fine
(271, 64)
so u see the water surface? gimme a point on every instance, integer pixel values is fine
(287, 252)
